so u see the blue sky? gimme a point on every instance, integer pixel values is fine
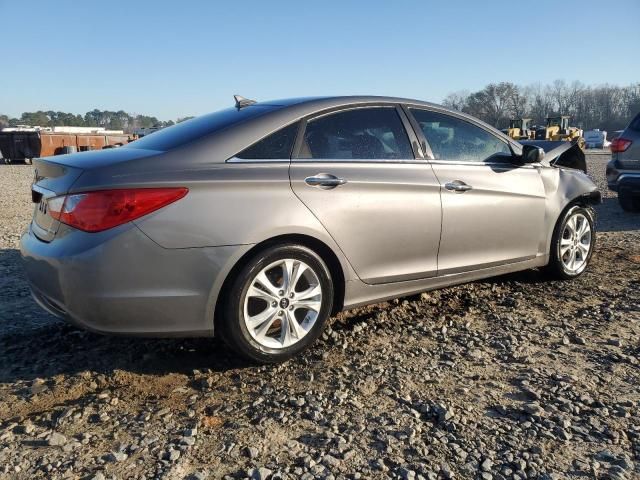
(178, 58)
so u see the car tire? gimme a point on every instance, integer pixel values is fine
(268, 319)
(628, 201)
(572, 237)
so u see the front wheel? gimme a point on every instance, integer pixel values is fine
(573, 242)
(277, 304)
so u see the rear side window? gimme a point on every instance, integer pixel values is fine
(198, 127)
(454, 139)
(374, 133)
(276, 146)
(635, 124)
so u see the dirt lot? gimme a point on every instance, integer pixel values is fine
(512, 377)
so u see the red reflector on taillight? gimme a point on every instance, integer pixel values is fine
(620, 145)
(103, 209)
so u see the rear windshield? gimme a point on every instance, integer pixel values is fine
(193, 129)
(635, 123)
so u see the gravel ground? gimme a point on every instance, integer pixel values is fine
(512, 377)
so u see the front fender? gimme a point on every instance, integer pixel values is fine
(564, 187)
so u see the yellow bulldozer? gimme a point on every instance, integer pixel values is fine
(558, 129)
(519, 129)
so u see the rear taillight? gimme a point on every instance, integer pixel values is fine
(103, 209)
(619, 145)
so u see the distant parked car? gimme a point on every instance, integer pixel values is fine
(595, 138)
(623, 171)
(260, 221)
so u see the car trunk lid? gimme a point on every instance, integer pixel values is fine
(55, 176)
(51, 179)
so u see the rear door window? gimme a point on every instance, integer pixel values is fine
(371, 133)
(276, 146)
(457, 140)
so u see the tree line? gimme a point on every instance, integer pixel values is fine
(607, 107)
(119, 120)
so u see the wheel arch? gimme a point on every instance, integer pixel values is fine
(318, 246)
(586, 200)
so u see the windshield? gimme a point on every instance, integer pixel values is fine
(190, 130)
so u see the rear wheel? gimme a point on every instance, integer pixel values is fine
(277, 304)
(628, 201)
(572, 243)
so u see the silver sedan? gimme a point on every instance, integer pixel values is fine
(259, 222)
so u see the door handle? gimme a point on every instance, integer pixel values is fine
(457, 186)
(324, 180)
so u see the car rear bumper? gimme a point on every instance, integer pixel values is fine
(625, 181)
(630, 184)
(618, 176)
(121, 282)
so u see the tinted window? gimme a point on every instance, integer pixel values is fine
(453, 139)
(274, 147)
(193, 129)
(635, 123)
(362, 133)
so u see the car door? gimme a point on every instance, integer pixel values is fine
(492, 209)
(356, 171)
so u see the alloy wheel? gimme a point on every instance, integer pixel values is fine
(282, 303)
(575, 243)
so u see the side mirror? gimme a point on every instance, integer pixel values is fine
(532, 154)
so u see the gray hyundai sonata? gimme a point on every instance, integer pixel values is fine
(260, 221)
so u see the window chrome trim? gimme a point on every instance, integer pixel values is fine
(417, 161)
(484, 164)
(235, 159)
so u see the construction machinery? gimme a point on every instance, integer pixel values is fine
(519, 129)
(558, 129)
(556, 133)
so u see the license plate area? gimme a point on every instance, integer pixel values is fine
(44, 226)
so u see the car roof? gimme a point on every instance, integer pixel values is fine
(304, 106)
(318, 103)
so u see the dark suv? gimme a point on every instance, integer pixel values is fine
(623, 171)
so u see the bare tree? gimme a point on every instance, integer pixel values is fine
(456, 100)
(494, 103)
(605, 106)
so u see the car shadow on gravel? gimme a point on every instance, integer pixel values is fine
(63, 349)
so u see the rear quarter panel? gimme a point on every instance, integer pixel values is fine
(231, 204)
